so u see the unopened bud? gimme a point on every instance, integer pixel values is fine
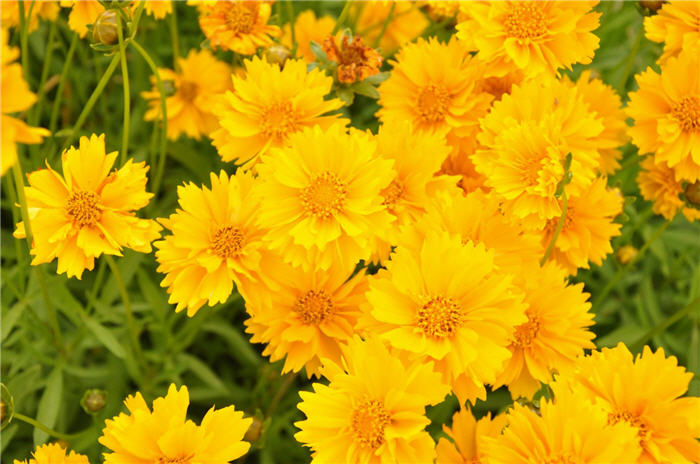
(104, 30)
(652, 5)
(93, 401)
(253, 433)
(626, 253)
(692, 193)
(277, 54)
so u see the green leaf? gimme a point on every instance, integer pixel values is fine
(318, 52)
(105, 337)
(10, 318)
(242, 349)
(366, 89)
(345, 94)
(205, 374)
(49, 404)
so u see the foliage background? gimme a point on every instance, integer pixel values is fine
(210, 352)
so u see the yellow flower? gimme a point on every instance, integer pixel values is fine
(53, 453)
(467, 435)
(164, 435)
(88, 210)
(658, 184)
(459, 163)
(676, 25)
(240, 26)
(568, 430)
(449, 303)
(215, 241)
(442, 100)
(322, 196)
(9, 13)
(407, 23)
(82, 13)
(373, 410)
(267, 105)
(307, 29)
(159, 9)
(196, 85)
(644, 392)
(305, 315)
(536, 37)
(500, 85)
(15, 97)
(666, 113)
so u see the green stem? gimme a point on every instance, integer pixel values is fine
(288, 381)
(388, 19)
(41, 92)
(21, 257)
(35, 423)
(675, 317)
(342, 17)
(557, 231)
(62, 83)
(290, 13)
(630, 61)
(23, 36)
(175, 37)
(127, 95)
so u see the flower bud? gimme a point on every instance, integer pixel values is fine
(277, 54)
(104, 30)
(93, 400)
(651, 5)
(692, 193)
(626, 253)
(253, 433)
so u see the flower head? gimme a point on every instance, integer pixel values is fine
(356, 61)
(53, 453)
(465, 445)
(658, 184)
(676, 26)
(308, 28)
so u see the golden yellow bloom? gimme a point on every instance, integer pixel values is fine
(658, 184)
(442, 100)
(406, 24)
(53, 453)
(82, 13)
(196, 86)
(215, 241)
(676, 26)
(459, 163)
(307, 29)
(267, 105)
(322, 197)
(356, 62)
(164, 435)
(626, 254)
(240, 26)
(373, 410)
(535, 37)
(666, 112)
(644, 392)
(159, 9)
(430, 303)
(467, 435)
(15, 97)
(9, 13)
(88, 210)
(568, 430)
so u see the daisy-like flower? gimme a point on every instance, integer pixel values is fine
(82, 14)
(15, 97)
(466, 438)
(373, 410)
(9, 13)
(164, 435)
(236, 25)
(569, 430)
(322, 197)
(356, 61)
(676, 26)
(88, 210)
(588, 227)
(535, 37)
(307, 28)
(268, 104)
(556, 331)
(644, 391)
(406, 23)
(447, 302)
(666, 113)
(195, 88)
(439, 100)
(215, 241)
(53, 453)
(658, 184)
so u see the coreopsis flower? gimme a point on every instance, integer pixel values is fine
(373, 409)
(569, 429)
(15, 97)
(195, 86)
(666, 113)
(307, 28)
(164, 435)
(236, 25)
(466, 438)
(675, 25)
(443, 100)
(535, 37)
(267, 105)
(556, 331)
(658, 184)
(53, 453)
(356, 61)
(215, 241)
(82, 14)
(322, 196)
(302, 315)
(644, 392)
(406, 23)
(88, 211)
(447, 302)
(626, 254)
(9, 13)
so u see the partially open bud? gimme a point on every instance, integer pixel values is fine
(626, 253)
(652, 5)
(277, 54)
(692, 193)
(104, 30)
(253, 433)
(93, 400)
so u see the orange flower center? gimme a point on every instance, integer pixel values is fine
(526, 333)
(314, 307)
(83, 208)
(228, 242)
(634, 420)
(432, 103)
(687, 113)
(567, 458)
(188, 90)
(393, 192)
(167, 460)
(525, 20)
(531, 168)
(240, 16)
(440, 317)
(368, 422)
(325, 196)
(279, 120)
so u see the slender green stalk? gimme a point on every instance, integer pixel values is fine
(23, 36)
(35, 423)
(557, 231)
(388, 19)
(286, 384)
(41, 91)
(53, 121)
(342, 17)
(21, 257)
(175, 37)
(127, 95)
(673, 318)
(629, 64)
(290, 13)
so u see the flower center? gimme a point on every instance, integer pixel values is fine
(278, 120)
(368, 422)
(635, 421)
(167, 460)
(83, 208)
(687, 113)
(325, 195)
(228, 242)
(240, 16)
(393, 192)
(530, 168)
(188, 90)
(567, 458)
(432, 103)
(440, 317)
(526, 333)
(314, 307)
(525, 20)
